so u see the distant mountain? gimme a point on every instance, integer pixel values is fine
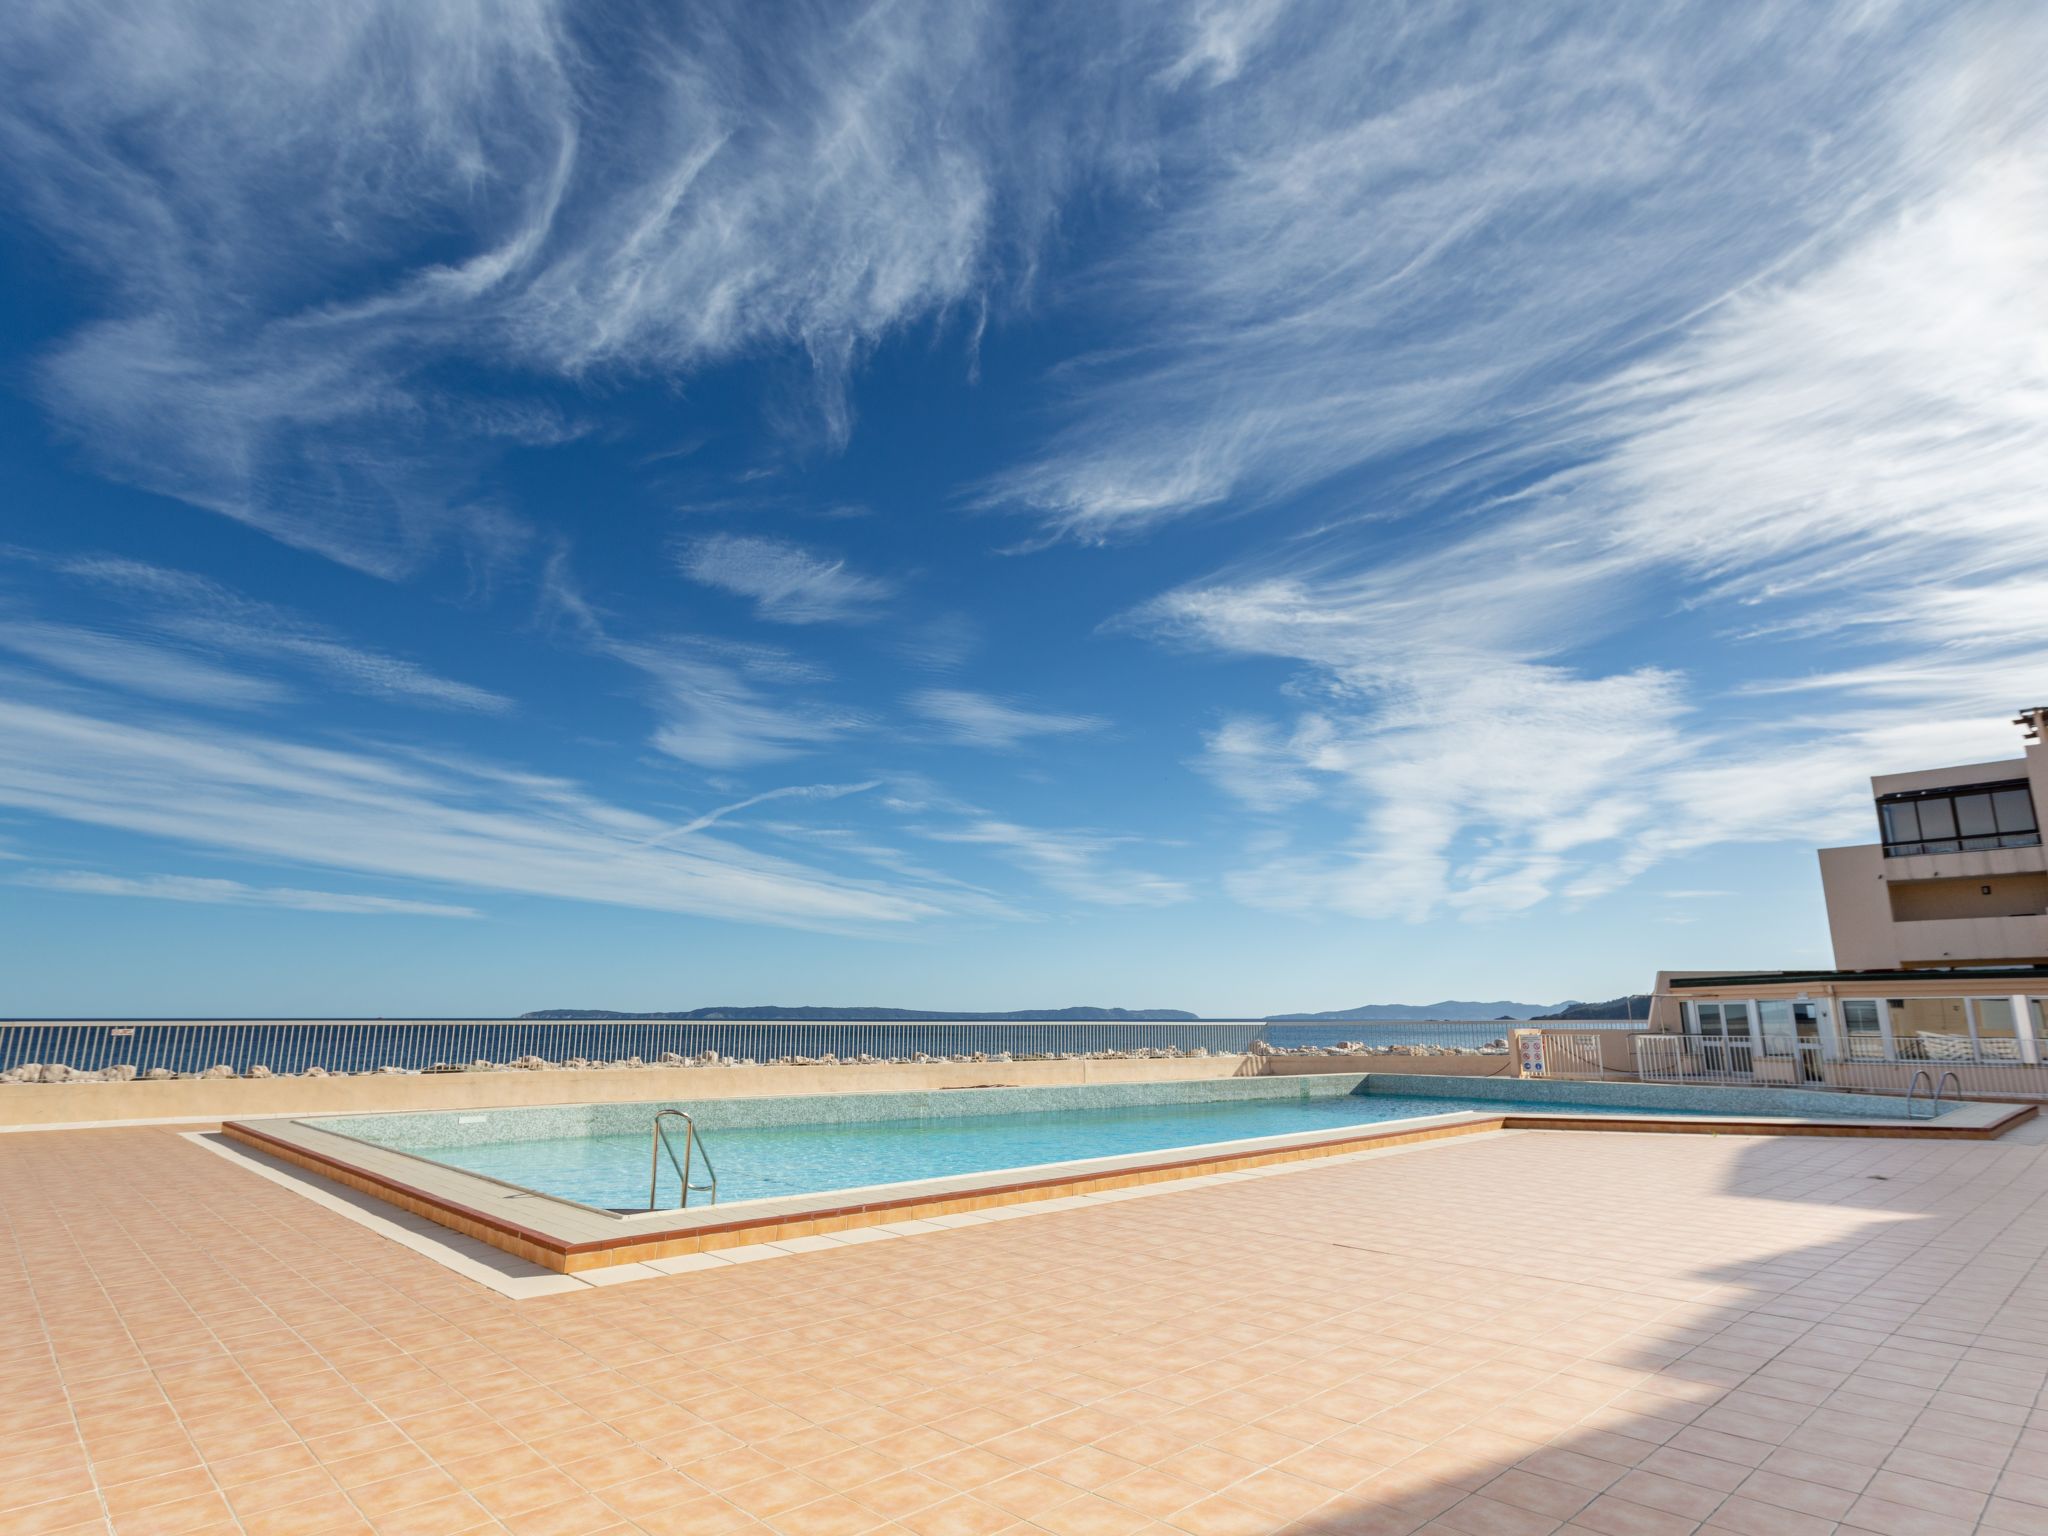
(887, 1015)
(1635, 1006)
(1450, 1009)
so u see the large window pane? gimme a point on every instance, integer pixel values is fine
(1973, 816)
(1997, 1032)
(1901, 824)
(1709, 1016)
(2015, 810)
(1931, 1028)
(1937, 820)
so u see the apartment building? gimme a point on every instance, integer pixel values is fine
(1940, 932)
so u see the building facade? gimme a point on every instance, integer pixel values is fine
(1957, 876)
(1940, 932)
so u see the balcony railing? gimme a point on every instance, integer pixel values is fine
(1989, 1068)
(1979, 844)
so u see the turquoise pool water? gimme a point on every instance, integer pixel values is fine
(758, 1161)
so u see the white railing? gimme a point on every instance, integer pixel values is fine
(283, 1047)
(1994, 1068)
(1571, 1054)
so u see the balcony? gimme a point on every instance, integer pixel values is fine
(1970, 818)
(1973, 940)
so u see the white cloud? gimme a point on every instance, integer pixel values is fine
(1076, 864)
(156, 670)
(233, 893)
(979, 720)
(409, 817)
(1846, 454)
(196, 611)
(1249, 759)
(1411, 232)
(295, 222)
(712, 715)
(788, 583)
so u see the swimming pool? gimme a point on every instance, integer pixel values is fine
(767, 1148)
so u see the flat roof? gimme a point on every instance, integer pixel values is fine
(1780, 978)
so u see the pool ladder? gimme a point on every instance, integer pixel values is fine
(1935, 1086)
(692, 1145)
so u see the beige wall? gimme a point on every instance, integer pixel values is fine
(1976, 941)
(206, 1099)
(1920, 901)
(1859, 907)
(1953, 777)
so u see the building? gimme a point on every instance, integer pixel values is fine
(1958, 875)
(1940, 931)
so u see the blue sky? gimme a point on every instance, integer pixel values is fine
(1240, 507)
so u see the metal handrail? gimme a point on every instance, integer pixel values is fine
(660, 1143)
(1943, 1081)
(1913, 1087)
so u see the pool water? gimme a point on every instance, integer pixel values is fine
(759, 1161)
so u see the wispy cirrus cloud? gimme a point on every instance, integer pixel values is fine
(210, 891)
(1412, 233)
(297, 227)
(715, 713)
(1834, 451)
(410, 817)
(198, 616)
(982, 720)
(788, 583)
(138, 666)
(718, 704)
(1079, 864)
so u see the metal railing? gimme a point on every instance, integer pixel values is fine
(691, 1143)
(1572, 1054)
(1991, 1068)
(285, 1047)
(1412, 1036)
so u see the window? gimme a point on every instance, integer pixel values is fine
(1997, 1031)
(1959, 820)
(1863, 1023)
(1932, 1028)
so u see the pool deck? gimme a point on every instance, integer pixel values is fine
(1505, 1334)
(570, 1238)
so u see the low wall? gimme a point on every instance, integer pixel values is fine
(1458, 1066)
(49, 1105)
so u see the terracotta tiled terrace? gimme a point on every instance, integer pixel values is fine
(1498, 1336)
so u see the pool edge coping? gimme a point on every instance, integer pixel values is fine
(553, 1250)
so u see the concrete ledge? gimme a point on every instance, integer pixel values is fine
(1502, 1066)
